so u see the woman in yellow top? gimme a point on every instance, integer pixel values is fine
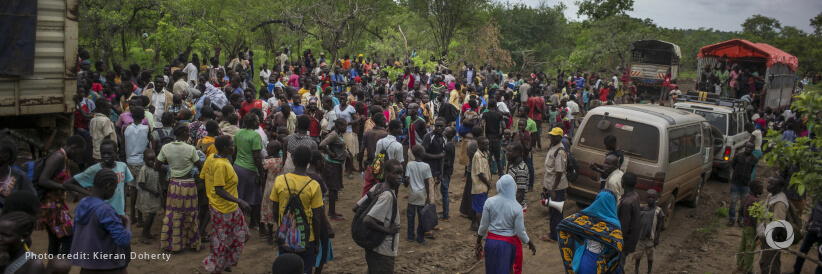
(228, 229)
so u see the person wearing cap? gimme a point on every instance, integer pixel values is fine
(554, 184)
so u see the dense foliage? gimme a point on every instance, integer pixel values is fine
(804, 153)
(516, 37)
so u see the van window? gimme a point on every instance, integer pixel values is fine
(684, 142)
(645, 148)
(719, 120)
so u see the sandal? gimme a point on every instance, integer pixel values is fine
(546, 239)
(337, 218)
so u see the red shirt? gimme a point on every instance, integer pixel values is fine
(314, 129)
(535, 105)
(247, 107)
(603, 94)
(79, 122)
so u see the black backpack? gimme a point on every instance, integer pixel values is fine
(163, 140)
(364, 236)
(571, 165)
(33, 169)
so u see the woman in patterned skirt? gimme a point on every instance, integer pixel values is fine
(54, 213)
(274, 167)
(229, 231)
(180, 224)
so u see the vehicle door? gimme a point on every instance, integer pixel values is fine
(739, 139)
(685, 158)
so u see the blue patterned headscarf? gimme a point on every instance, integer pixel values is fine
(604, 208)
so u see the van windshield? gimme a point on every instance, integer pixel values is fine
(636, 140)
(719, 120)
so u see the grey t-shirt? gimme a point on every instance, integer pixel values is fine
(393, 149)
(382, 212)
(417, 172)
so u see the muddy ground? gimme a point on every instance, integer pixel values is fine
(697, 242)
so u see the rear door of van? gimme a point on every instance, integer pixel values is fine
(639, 142)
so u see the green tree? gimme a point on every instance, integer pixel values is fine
(763, 27)
(600, 9)
(816, 23)
(804, 153)
(605, 44)
(444, 17)
(535, 36)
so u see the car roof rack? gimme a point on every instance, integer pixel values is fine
(711, 99)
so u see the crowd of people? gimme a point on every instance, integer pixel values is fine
(217, 158)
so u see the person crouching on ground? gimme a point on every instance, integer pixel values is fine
(503, 222)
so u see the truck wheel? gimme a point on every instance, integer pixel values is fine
(694, 201)
(669, 211)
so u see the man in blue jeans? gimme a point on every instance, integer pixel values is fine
(813, 236)
(743, 166)
(434, 143)
(447, 170)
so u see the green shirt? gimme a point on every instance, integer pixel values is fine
(180, 157)
(247, 141)
(531, 126)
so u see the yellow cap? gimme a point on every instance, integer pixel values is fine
(556, 132)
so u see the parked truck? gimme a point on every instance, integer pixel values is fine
(38, 75)
(776, 68)
(651, 61)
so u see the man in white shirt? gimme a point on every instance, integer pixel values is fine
(283, 58)
(265, 74)
(449, 78)
(571, 108)
(191, 71)
(616, 81)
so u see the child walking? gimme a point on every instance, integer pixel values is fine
(418, 173)
(651, 219)
(99, 229)
(518, 170)
(149, 200)
(274, 166)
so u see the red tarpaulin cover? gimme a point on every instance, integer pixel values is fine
(739, 48)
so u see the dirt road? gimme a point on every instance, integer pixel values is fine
(697, 242)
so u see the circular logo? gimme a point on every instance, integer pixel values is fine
(769, 229)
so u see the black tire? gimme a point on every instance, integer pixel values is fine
(694, 201)
(669, 208)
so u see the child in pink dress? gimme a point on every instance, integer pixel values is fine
(274, 166)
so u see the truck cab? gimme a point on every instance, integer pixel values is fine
(728, 116)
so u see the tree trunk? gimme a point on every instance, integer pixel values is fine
(123, 42)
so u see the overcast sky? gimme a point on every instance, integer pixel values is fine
(725, 15)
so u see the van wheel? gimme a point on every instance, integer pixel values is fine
(694, 202)
(669, 211)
